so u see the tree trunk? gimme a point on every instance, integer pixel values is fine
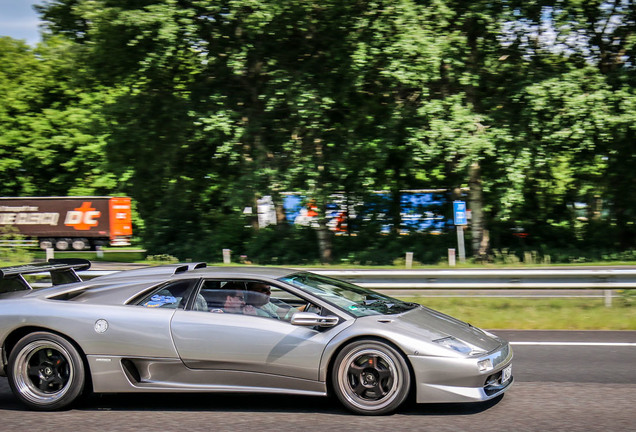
(480, 238)
(279, 206)
(325, 243)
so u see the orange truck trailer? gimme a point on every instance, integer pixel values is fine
(69, 223)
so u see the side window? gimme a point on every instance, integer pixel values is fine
(172, 295)
(221, 296)
(250, 297)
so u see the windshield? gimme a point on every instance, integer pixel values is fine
(352, 298)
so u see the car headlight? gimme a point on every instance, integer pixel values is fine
(458, 345)
(484, 365)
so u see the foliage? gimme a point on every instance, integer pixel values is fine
(51, 129)
(161, 259)
(196, 109)
(12, 253)
(628, 297)
(286, 246)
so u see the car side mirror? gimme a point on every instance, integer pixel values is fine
(311, 319)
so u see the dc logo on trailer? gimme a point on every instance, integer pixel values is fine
(83, 218)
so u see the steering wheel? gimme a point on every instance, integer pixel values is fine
(310, 307)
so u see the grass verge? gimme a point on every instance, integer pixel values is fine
(110, 255)
(536, 314)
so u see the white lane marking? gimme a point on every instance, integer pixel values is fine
(601, 344)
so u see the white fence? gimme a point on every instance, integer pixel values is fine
(19, 243)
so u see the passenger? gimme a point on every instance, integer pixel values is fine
(229, 299)
(234, 301)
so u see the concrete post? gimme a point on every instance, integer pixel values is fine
(226, 256)
(451, 257)
(409, 260)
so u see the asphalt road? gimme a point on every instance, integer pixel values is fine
(564, 381)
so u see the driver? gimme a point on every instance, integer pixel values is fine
(259, 299)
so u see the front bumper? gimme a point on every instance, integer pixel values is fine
(445, 379)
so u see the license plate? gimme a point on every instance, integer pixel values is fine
(506, 374)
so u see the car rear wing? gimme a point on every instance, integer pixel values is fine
(61, 270)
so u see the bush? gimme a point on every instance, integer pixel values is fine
(386, 249)
(162, 259)
(297, 245)
(13, 254)
(628, 296)
(282, 244)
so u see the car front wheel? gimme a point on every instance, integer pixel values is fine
(46, 372)
(371, 377)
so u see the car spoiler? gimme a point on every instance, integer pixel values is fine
(62, 271)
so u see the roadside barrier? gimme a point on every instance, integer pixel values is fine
(606, 279)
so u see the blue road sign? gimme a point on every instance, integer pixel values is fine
(459, 211)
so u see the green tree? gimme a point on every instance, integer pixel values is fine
(198, 108)
(18, 63)
(576, 119)
(219, 103)
(51, 128)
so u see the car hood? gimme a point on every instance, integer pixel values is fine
(432, 325)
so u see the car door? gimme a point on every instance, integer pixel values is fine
(208, 340)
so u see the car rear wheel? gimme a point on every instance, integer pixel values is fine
(46, 372)
(371, 377)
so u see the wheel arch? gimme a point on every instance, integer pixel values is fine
(16, 335)
(375, 338)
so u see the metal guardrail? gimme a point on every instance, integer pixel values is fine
(607, 280)
(475, 279)
(604, 279)
(490, 279)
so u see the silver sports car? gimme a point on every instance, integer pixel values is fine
(190, 328)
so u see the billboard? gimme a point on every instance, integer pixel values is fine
(420, 211)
